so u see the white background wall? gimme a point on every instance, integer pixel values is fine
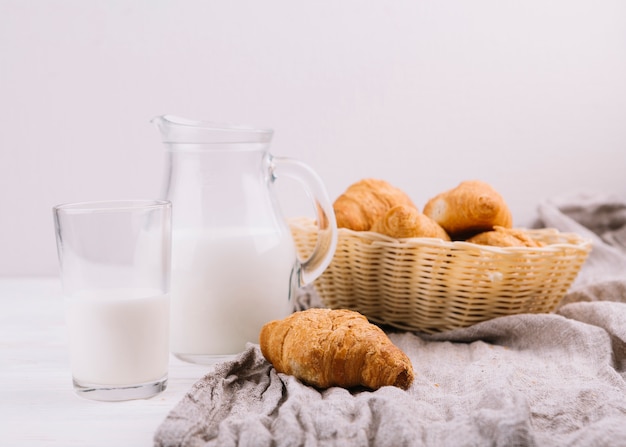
(527, 95)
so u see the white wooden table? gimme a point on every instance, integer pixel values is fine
(37, 404)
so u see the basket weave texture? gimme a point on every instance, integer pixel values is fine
(429, 285)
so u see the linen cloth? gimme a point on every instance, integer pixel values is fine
(526, 380)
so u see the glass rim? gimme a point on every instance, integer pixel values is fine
(109, 206)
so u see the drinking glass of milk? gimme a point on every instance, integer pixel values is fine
(114, 260)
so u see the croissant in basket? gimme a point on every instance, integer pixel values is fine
(366, 201)
(404, 221)
(324, 348)
(470, 208)
(506, 237)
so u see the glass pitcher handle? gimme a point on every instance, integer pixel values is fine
(324, 250)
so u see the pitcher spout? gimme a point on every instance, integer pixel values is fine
(175, 129)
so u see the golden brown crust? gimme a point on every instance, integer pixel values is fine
(505, 237)
(472, 207)
(324, 348)
(404, 221)
(366, 201)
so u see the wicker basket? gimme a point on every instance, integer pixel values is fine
(429, 285)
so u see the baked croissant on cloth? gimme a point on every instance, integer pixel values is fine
(335, 347)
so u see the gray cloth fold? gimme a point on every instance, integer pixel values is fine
(546, 380)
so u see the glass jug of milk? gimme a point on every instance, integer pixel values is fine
(234, 264)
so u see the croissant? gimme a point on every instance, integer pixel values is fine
(505, 237)
(324, 348)
(366, 201)
(472, 207)
(406, 221)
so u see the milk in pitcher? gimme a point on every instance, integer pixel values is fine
(226, 284)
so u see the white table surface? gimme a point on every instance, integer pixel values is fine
(37, 404)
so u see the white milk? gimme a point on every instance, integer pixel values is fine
(226, 285)
(118, 336)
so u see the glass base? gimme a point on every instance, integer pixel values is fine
(113, 393)
(205, 359)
